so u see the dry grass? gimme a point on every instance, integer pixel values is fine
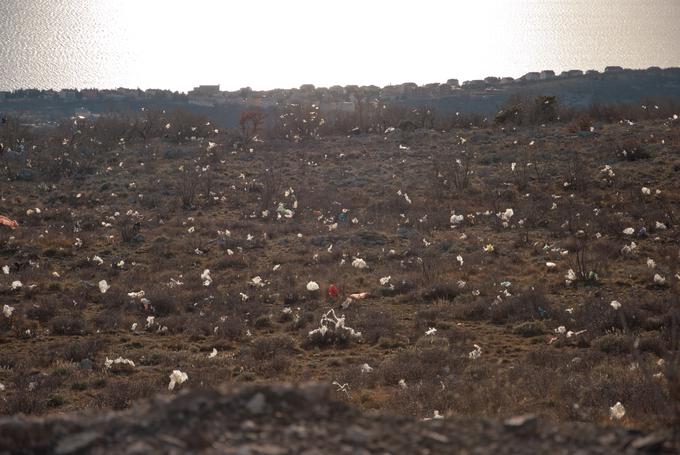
(156, 229)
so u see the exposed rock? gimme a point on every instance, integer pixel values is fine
(278, 420)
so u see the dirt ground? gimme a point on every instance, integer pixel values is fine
(450, 253)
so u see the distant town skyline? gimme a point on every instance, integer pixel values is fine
(177, 45)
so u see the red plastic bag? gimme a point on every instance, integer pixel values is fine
(332, 291)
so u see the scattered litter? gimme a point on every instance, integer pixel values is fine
(7, 310)
(435, 416)
(617, 412)
(475, 353)
(332, 291)
(119, 361)
(4, 221)
(206, 278)
(359, 263)
(177, 377)
(104, 286)
(659, 280)
(359, 295)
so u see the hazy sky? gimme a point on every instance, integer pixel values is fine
(268, 44)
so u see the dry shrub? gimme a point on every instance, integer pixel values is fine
(270, 355)
(375, 324)
(414, 365)
(121, 394)
(80, 349)
(582, 122)
(68, 325)
(528, 305)
(164, 301)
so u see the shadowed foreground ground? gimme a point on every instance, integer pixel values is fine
(281, 419)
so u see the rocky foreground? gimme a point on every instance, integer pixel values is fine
(277, 420)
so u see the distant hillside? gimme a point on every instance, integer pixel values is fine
(618, 87)
(485, 97)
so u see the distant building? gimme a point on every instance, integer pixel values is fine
(307, 88)
(547, 74)
(128, 92)
(390, 92)
(3, 96)
(157, 93)
(408, 87)
(571, 73)
(492, 80)
(613, 69)
(592, 72)
(453, 83)
(89, 94)
(444, 89)
(477, 83)
(532, 76)
(205, 90)
(67, 94)
(261, 102)
(507, 80)
(336, 91)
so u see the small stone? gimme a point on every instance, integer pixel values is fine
(650, 443)
(256, 404)
(248, 425)
(76, 442)
(357, 435)
(86, 364)
(436, 437)
(608, 439)
(524, 422)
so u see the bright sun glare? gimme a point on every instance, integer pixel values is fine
(268, 44)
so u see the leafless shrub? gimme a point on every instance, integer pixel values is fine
(250, 123)
(187, 188)
(68, 324)
(121, 394)
(128, 228)
(272, 186)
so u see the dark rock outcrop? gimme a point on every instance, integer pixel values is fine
(285, 419)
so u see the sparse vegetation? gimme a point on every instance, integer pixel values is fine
(440, 260)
